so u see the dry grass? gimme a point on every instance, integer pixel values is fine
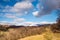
(48, 35)
(32, 33)
(17, 33)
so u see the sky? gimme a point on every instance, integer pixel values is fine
(20, 12)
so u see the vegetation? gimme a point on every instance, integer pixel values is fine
(48, 35)
(16, 32)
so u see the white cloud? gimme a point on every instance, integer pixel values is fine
(5, 23)
(16, 21)
(46, 22)
(19, 20)
(19, 9)
(22, 7)
(10, 16)
(36, 13)
(29, 23)
(36, 23)
(29, 0)
(7, 9)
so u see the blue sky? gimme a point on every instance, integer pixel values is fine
(31, 11)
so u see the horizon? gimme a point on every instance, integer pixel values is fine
(30, 24)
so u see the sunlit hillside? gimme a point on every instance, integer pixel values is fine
(48, 35)
(43, 32)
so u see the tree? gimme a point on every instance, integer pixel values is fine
(56, 27)
(58, 19)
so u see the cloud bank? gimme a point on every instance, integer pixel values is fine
(47, 6)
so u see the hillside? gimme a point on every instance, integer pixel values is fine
(45, 36)
(47, 32)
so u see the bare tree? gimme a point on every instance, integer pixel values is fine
(58, 19)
